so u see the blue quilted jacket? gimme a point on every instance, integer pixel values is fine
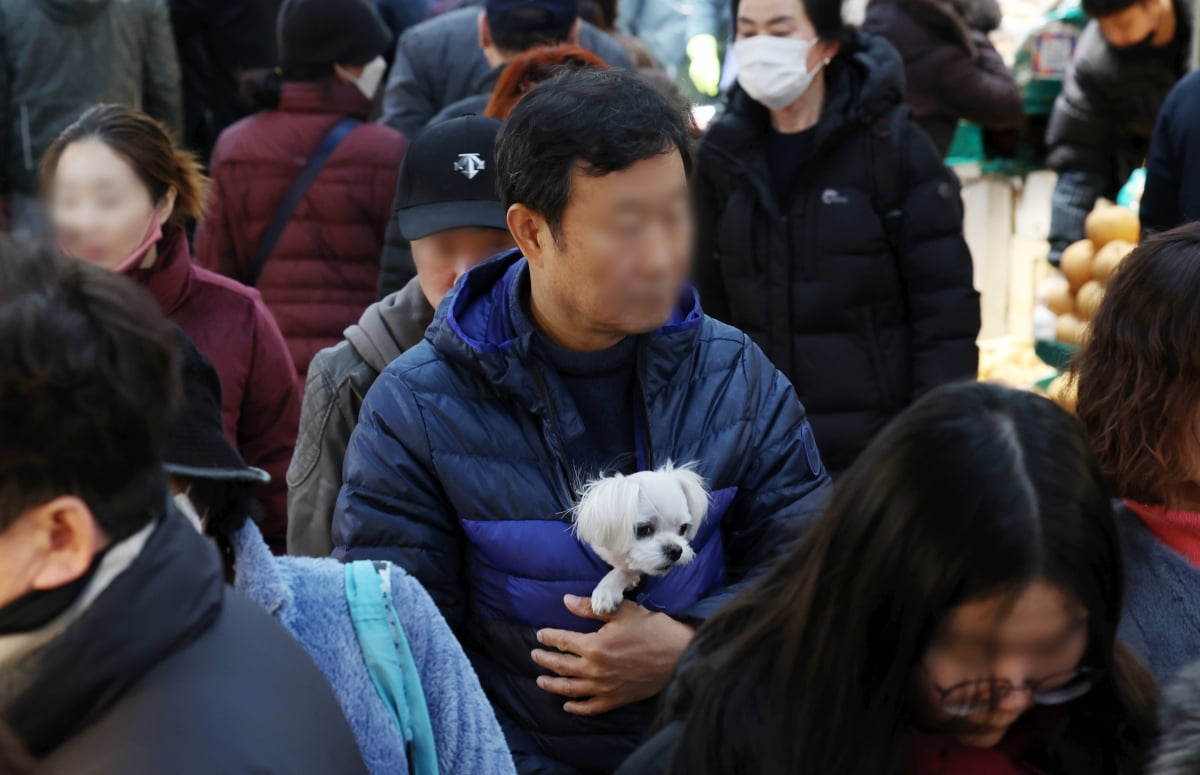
(457, 472)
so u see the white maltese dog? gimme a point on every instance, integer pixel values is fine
(640, 524)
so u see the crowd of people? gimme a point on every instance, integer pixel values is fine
(309, 354)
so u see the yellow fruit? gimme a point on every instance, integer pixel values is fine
(1108, 258)
(1076, 263)
(1088, 300)
(1112, 222)
(1060, 301)
(1070, 329)
(1063, 392)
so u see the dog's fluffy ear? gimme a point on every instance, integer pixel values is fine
(606, 513)
(694, 491)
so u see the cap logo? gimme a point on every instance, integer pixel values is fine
(470, 165)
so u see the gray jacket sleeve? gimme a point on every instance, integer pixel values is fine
(315, 476)
(162, 91)
(407, 102)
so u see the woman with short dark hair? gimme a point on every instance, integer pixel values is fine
(1139, 400)
(828, 228)
(953, 612)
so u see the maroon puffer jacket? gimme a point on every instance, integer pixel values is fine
(260, 393)
(323, 271)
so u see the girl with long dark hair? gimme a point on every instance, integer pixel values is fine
(953, 611)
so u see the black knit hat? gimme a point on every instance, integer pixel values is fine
(330, 32)
(196, 443)
(448, 179)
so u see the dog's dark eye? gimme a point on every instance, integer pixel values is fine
(644, 531)
(683, 529)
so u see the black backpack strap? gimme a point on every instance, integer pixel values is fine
(295, 195)
(887, 160)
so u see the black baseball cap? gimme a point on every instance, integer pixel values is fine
(448, 179)
(559, 13)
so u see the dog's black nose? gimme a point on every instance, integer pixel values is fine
(673, 552)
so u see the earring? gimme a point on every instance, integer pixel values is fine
(828, 60)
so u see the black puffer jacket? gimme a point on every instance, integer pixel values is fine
(951, 70)
(1104, 117)
(861, 317)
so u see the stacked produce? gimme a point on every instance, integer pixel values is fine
(1075, 296)
(1087, 266)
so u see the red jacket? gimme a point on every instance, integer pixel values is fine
(323, 271)
(261, 395)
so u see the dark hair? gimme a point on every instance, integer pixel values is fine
(825, 15)
(147, 145)
(974, 492)
(225, 506)
(87, 383)
(1141, 364)
(520, 29)
(1098, 9)
(263, 89)
(595, 122)
(533, 67)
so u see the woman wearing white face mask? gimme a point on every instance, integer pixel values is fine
(311, 247)
(829, 230)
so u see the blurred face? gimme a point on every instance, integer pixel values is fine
(782, 19)
(444, 257)
(1136, 24)
(100, 208)
(623, 257)
(1043, 635)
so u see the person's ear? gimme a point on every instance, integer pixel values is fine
(531, 233)
(573, 35)
(70, 537)
(832, 47)
(166, 206)
(485, 32)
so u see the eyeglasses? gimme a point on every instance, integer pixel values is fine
(971, 697)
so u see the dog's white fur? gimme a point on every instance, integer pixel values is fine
(666, 505)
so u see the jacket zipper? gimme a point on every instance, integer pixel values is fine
(640, 371)
(25, 141)
(555, 444)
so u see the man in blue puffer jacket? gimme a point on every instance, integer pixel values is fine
(585, 352)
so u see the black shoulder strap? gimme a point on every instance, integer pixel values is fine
(887, 154)
(295, 195)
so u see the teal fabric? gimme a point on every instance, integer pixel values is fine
(390, 661)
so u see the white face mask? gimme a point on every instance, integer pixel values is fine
(372, 74)
(774, 71)
(184, 504)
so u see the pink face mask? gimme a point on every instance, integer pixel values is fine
(151, 237)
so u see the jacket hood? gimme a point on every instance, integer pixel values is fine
(391, 326)
(73, 11)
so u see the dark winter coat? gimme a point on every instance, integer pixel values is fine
(60, 57)
(323, 271)
(218, 40)
(456, 471)
(862, 313)
(168, 671)
(439, 62)
(1172, 194)
(951, 69)
(338, 381)
(261, 396)
(1103, 119)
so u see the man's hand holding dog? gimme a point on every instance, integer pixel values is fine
(631, 658)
